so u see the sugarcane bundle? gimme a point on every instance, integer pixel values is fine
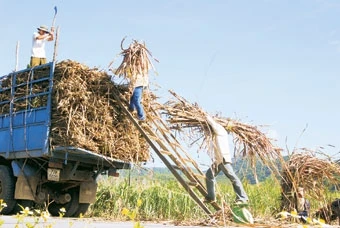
(27, 84)
(5, 94)
(249, 141)
(86, 115)
(135, 61)
(311, 170)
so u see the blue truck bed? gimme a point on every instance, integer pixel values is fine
(25, 120)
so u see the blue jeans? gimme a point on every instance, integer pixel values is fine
(228, 170)
(135, 102)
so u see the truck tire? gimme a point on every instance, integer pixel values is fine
(7, 188)
(70, 207)
(82, 209)
(22, 203)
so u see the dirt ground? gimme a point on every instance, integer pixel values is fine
(260, 223)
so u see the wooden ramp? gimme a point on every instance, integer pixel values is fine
(176, 159)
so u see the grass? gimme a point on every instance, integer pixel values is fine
(160, 200)
(165, 199)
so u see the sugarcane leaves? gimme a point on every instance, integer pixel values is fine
(135, 60)
(249, 141)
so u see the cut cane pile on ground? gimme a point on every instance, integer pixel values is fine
(86, 115)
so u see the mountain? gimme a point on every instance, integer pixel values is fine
(242, 169)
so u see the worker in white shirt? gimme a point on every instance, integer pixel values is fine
(221, 159)
(38, 55)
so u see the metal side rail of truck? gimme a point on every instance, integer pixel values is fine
(31, 170)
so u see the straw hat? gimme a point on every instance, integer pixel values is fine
(43, 28)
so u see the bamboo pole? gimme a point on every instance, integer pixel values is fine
(17, 56)
(55, 51)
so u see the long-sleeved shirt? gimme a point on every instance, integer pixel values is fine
(139, 80)
(220, 142)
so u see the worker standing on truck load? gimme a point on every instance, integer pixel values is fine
(138, 83)
(135, 69)
(38, 56)
(222, 162)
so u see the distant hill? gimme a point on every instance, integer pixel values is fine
(242, 170)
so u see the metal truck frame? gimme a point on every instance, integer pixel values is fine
(31, 170)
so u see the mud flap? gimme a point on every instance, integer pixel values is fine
(26, 187)
(87, 193)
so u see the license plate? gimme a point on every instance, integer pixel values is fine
(53, 174)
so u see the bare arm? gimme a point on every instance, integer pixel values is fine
(48, 35)
(42, 37)
(51, 34)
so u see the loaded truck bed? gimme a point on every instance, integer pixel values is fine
(32, 170)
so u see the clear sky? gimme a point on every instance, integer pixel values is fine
(264, 62)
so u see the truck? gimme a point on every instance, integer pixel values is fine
(32, 171)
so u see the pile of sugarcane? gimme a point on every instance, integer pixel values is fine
(5, 95)
(86, 115)
(27, 85)
(84, 111)
(249, 141)
(310, 170)
(135, 61)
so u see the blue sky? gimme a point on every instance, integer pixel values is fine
(265, 62)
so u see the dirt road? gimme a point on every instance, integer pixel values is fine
(55, 222)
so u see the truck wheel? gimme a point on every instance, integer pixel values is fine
(70, 207)
(82, 209)
(22, 203)
(7, 187)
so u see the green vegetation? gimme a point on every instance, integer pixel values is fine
(158, 196)
(163, 198)
(160, 200)
(132, 214)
